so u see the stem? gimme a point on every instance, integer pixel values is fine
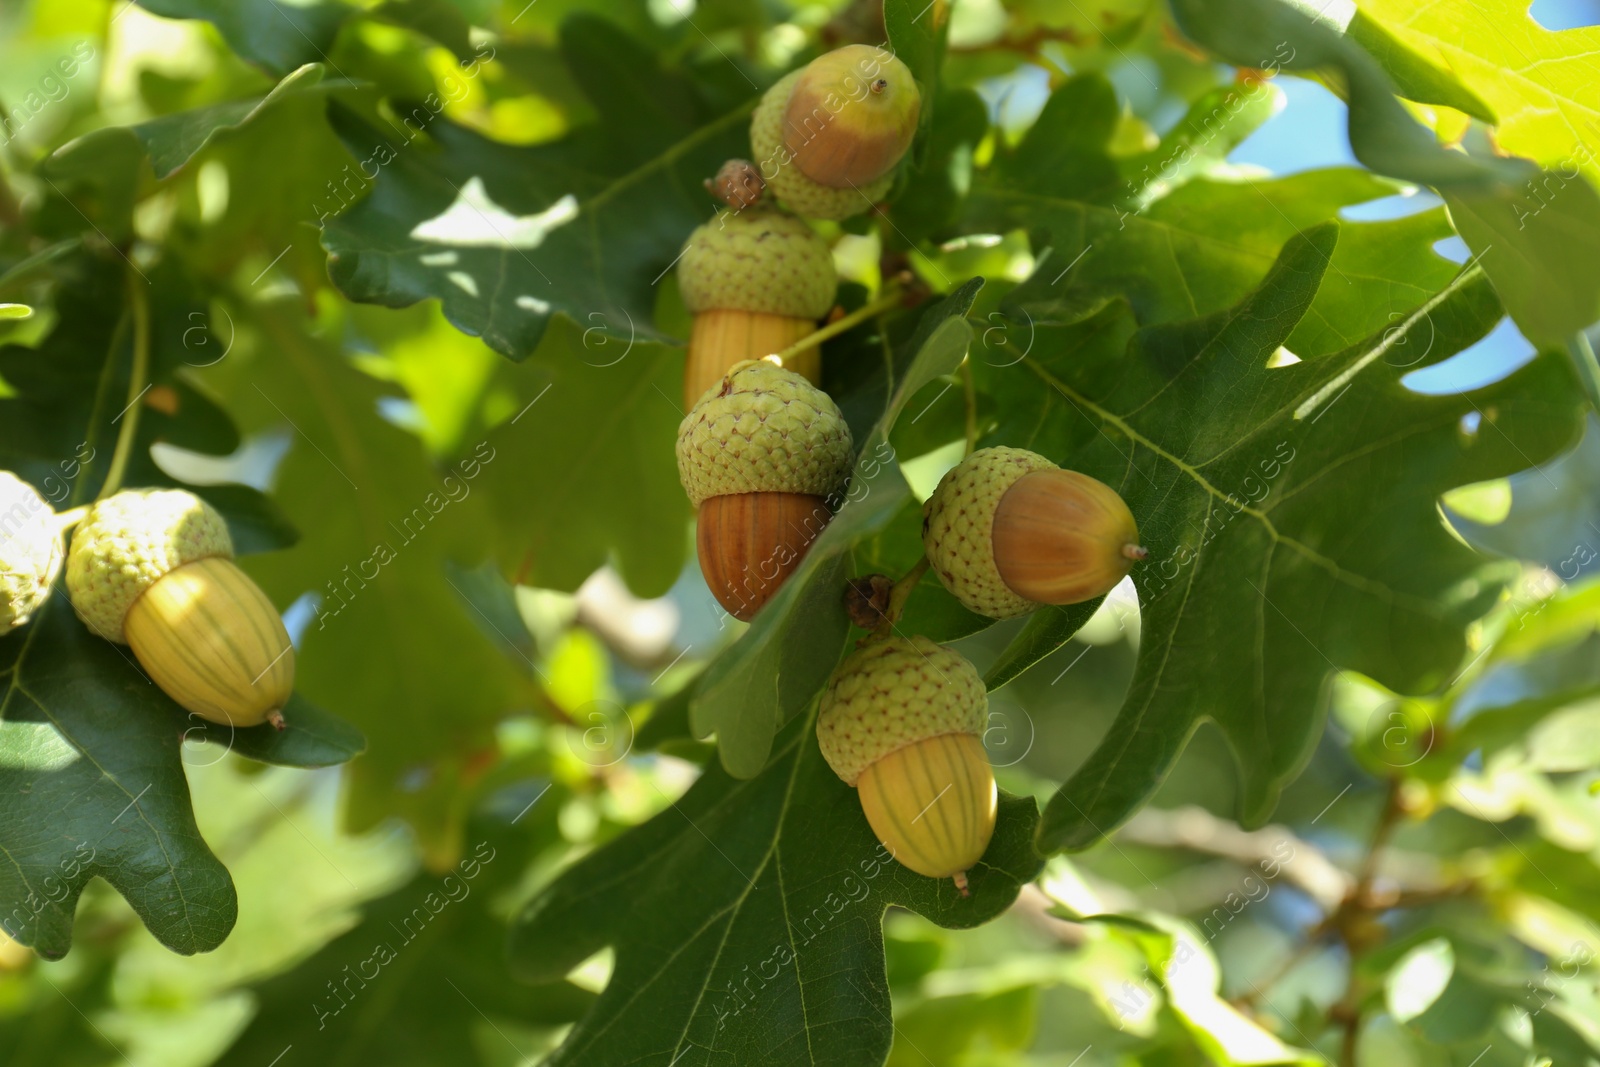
(898, 597)
(1353, 913)
(972, 405)
(102, 389)
(1387, 820)
(889, 299)
(137, 383)
(1352, 1038)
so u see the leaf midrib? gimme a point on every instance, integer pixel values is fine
(731, 911)
(1353, 579)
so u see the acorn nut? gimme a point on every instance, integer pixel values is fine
(759, 455)
(756, 282)
(827, 137)
(153, 569)
(30, 551)
(1008, 531)
(902, 721)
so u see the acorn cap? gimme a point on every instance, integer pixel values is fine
(30, 551)
(759, 259)
(785, 180)
(894, 692)
(958, 528)
(763, 429)
(131, 540)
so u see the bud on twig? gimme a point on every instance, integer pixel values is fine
(738, 184)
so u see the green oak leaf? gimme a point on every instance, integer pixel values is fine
(171, 141)
(392, 645)
(1181, 963)
(1497, 201)
(1216, 123)
(918, 38)
(775, 956)
(413, 982)
(1414, 75)
(1540, 84)
(1533, 266)
(609, 411)
(276, 36)
(83, 730)
(1204, 246)
(92, 783)
(1290, 511)
(778, 666)
(1176, 244)
(1549, 522)
(507, 236)
(58, 430)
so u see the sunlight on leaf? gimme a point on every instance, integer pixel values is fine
(1418, 979)
(473, 220)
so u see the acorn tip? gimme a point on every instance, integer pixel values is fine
(275, 717)
(1135, 551)
(960, 879)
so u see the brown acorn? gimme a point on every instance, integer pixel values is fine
(1008, 531)
(759, 456)
(756, 281)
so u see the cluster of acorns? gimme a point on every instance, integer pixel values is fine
(153, 569)
(763, 449)
(764, 454)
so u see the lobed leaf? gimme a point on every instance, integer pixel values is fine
(775, 956)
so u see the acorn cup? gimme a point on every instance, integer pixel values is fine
(30, 551)
(759, 456)
(828, 136)
(153, 569)
(902, 721)
(756, 281)
(1008, 531)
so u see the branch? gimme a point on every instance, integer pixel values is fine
(1197, 830)
(893, 294)
(898, 597)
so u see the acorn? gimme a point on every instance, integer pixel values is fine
(757, 281)
(902, 721)
(828, 136)
(153, 569)
(30, 551)
(1008, 531)
(759, 456)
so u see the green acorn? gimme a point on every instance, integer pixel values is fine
(902, 721)
(759, 455)
(30, 551)
(1007, 531)
(153, 569)
(827, 137)
(757, 281)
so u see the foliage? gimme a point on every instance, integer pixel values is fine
(1316, 785)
